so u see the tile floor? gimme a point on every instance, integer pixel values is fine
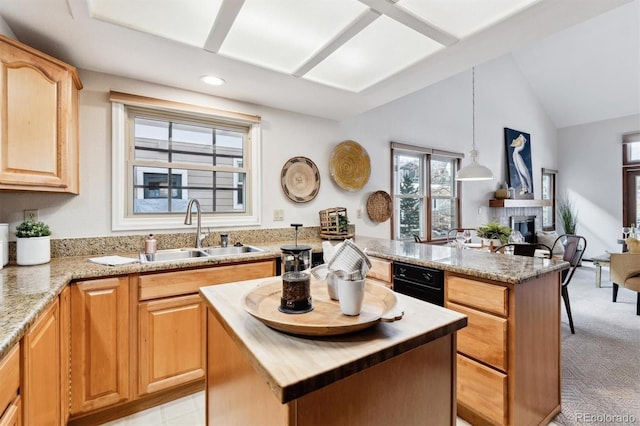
(187, 411)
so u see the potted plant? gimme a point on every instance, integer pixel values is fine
(33, 243)
(568, 215)
(569, 218)
(494, 232)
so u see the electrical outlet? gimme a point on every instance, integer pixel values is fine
(31, 215)
(278, 214)
(359, 213)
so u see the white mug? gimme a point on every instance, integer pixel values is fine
(332, 286)
(351, 295)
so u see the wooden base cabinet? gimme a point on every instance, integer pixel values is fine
(381, 271)
(40, 388)
(137, 339)
(100, 343)
(508, 360)
(172, 315)
(171, 342)
(39, 114)
(10, 402)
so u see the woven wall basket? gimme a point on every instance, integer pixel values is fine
(350, 166)
(379, 206)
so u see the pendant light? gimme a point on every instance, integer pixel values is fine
(474, 171)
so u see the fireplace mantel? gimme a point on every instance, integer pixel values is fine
(519, 203)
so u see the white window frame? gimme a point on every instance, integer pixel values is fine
(121, 221)
(236, 181)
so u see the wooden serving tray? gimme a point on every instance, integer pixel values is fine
(326, 318)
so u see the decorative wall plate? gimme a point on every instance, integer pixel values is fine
(300, 179)
(379, 206)
(350, 166)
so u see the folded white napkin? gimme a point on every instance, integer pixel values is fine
(350, 262)
(113, 260)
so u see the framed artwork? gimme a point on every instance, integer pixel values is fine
(518, 145)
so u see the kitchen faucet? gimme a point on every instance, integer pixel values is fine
(187, 221)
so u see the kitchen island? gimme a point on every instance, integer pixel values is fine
(400, 372)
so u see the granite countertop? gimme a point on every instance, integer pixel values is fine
(25, 291)
(476, 263)
(320, 361)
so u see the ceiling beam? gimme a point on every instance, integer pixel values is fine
(224, 20)
(389, 9)
(358, 24)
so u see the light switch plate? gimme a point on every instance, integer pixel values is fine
(278, 214)
(31, 215)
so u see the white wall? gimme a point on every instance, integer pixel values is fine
(5, 30)
(284, 135)
(590, 172)
(440, 116)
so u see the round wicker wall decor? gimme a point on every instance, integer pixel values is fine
(379, 206)
(350, 166)
(300, 179)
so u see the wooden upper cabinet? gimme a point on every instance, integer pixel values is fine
(39, 120)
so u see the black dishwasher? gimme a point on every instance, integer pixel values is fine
(419, 281)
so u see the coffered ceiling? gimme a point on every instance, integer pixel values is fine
(330, 58)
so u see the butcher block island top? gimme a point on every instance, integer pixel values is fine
(418, 350)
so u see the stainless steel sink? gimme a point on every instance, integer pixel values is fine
(194, 253)
(172, 254)
(231, 250)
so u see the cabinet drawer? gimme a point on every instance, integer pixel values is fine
(380, 269)
(186, 282)
(487, 297)
(482, 390)
(484, 337)
(9, 377)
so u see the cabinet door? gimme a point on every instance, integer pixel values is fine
(99, 343)
(38, 95)
(171, 342)
(41, 370)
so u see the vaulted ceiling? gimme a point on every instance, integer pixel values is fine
(338, 58)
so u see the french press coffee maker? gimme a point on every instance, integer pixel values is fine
(296, 277)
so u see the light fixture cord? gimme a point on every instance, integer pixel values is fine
(473, 108)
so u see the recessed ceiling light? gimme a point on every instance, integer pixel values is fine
(214, 81)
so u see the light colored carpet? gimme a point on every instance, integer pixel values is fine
(601, 362)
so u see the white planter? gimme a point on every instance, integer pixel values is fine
(33, 251)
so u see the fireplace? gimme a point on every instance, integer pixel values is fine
(526, 225)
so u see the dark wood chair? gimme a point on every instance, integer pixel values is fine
(524, 249)
(574, 248)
